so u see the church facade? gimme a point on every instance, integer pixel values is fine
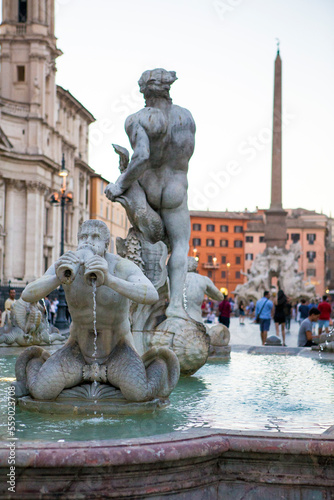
(40, 124)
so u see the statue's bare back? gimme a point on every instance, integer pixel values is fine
(171, 141)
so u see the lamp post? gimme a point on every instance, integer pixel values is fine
(227, 273)
(61, 322)
(214, 260)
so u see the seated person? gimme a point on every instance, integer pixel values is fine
(305, 337)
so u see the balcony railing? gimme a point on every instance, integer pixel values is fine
(21, 29)
(210, 265)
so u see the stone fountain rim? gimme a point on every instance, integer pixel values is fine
(179, 445)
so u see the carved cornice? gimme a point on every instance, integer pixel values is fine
(16, 184)
(33, 186)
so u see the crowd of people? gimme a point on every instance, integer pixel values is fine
(314, 317)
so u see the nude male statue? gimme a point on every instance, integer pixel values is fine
(111, 354)
(162, 137)
(196, 287)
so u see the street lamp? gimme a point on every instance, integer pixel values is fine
(227, 273)
(61, 321)
(214, 260)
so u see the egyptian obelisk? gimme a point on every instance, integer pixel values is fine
(275, 228)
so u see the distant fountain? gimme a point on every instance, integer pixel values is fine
(281, 263)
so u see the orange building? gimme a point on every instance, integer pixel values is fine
(226, 244)
(113, 214)
(217, 241)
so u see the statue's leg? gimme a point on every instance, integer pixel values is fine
(126, 370)
(177, 223)
(45, 379)
(141, 214)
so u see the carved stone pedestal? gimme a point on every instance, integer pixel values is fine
(91, 399)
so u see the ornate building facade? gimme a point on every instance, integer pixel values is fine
(112, 214)
(40, 123)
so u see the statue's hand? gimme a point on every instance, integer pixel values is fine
(97, 265)
(67, 267)
(112, 191)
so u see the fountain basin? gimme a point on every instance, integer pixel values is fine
(192, 465)
(84, 407)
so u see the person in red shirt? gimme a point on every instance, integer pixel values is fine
(325, 314)
(225, 312)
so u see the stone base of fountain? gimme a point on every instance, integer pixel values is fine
(91, 399)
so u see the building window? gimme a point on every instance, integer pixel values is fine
(102, 187)
(237, 243)
(311, 256)
(21, 70)
(224, 229)
(224, 243)
(107, 212)
(223, 259)
(101, 208)
(237, 259)
(210, 259)
(310, 272)
(295, 237)
(249, 239)
(22, 17)
(237, 275)
(249, 256)
(210, 228)
(196, 242)
(238, 229)
(261, 239)
(197, 227)
(209, 274)
(223, 274)
(210, 243)
(311, 238)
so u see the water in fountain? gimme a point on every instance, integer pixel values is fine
(93, 281)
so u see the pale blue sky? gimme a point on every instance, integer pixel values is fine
(223, 52)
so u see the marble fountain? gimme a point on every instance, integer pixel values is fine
(107, 415)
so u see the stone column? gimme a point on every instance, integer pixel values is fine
(276, 172)
(35, 9)
(275, 230)
(15, 229)
(35, 221)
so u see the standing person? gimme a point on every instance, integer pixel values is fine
(8, 307)
(305, 337)
(251, 309)
(279, 316)
(325, 314)
(53, 310)
(47, 304)
(241, 313)
(263, 312)
(225, 312)
(288, 315)
(303, 311)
